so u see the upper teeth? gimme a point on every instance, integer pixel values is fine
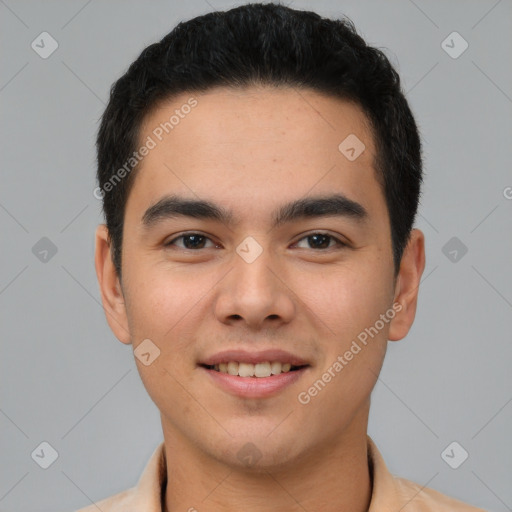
(265, 369)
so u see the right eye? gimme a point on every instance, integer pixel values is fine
(191, 241)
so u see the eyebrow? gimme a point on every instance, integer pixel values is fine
(335, 205)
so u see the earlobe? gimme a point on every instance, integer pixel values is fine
(110, 287)
(407, 286)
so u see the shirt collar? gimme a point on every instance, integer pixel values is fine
(384, 495)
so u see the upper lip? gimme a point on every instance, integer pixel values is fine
(243, 356)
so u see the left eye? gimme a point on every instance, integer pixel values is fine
(322, 241)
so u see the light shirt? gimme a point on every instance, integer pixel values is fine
(389, 493)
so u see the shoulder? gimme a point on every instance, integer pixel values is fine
(117, 503)
(423, 499)
(392, 493)
(146, 496)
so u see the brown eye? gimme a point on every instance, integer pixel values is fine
(322, 241)
(190, 241)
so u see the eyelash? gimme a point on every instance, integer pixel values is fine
(338, 243)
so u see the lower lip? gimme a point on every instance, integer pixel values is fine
(254, 387)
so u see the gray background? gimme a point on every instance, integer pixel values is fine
(66, 379)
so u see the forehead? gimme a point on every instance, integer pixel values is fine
(257, 143)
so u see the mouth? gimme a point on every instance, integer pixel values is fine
(260, 374)
(265, 369)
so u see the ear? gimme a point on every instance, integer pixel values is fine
(110, 286)
(407, 285)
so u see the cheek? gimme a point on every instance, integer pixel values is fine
(162, 307)
(166, 306)
(157, 299)
(347, 299)
(349, 302)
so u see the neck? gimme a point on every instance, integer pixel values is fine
(334, 476)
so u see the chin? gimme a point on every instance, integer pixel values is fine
(260, 453)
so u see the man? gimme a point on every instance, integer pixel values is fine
(260, 171)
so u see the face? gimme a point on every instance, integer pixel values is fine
(249, 279)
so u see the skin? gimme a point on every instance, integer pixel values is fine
(251, 151)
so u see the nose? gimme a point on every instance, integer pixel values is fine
(255, 293)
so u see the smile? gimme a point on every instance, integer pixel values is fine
(253, 374)
(258, 370)
(253, 380)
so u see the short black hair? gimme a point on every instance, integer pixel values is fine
(264, 44)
